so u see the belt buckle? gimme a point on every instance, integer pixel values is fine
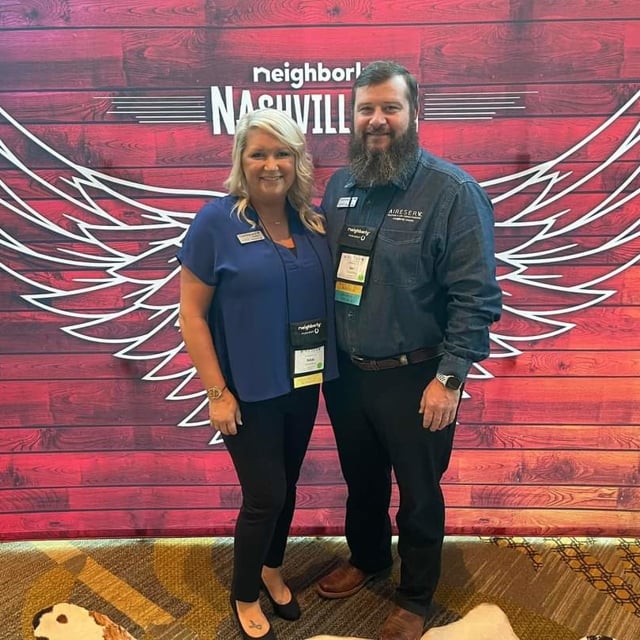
(403, 359)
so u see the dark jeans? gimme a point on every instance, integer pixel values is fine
(267, 454)
(378, 428)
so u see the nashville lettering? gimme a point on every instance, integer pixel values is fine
(313, 112)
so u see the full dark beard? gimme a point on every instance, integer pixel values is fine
(372, 168)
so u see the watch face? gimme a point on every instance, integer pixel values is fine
(453, 383)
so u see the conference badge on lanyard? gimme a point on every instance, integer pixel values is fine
(356, 245)
(307, 342)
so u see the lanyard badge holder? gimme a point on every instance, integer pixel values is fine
(356, 247)
(307, 341)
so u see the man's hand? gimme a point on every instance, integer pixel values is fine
(438, 405)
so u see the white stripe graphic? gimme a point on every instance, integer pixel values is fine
(471, 105)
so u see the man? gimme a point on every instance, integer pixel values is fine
(416, 290)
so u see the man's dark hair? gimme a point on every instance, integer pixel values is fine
(382, 70)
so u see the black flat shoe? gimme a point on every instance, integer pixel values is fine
(289, 611)
(270, 635)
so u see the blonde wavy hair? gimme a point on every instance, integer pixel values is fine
(282, 127)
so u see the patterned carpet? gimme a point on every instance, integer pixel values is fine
(177, 589)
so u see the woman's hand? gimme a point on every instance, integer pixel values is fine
(224, 414)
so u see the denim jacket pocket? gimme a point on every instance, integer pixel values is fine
(397, 257)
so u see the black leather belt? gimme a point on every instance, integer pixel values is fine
(401, 360)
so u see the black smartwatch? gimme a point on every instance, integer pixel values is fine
(451, 382)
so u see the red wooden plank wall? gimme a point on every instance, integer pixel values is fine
(94, 199)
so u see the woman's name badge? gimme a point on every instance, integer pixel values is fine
(250, 236)
(307, 360)
(307, 339)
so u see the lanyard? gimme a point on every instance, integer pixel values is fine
(307, 339)
(356, 246)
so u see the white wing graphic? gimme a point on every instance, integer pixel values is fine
(546, 221)
(122, 239)
(542, 223)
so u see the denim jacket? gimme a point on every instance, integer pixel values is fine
(432, 276)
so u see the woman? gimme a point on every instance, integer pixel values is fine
(256, 315)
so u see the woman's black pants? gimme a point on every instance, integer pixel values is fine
(267, 453)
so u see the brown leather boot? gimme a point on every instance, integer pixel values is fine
(402, 625)
(345, 581)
